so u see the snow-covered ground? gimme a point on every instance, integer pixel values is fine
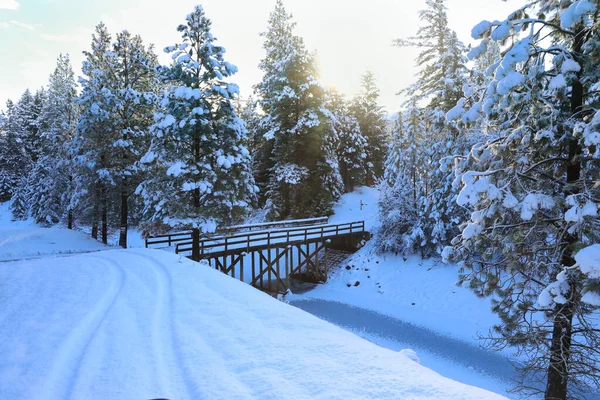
(400, 302)
(25, 239)
(147, 324)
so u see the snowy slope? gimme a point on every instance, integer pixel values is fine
(422, 292)
(25, 239)
(141, 324)
(349, 209)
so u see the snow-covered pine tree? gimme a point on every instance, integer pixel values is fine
(19, 206)
(11, 156)
(132, 81)
(533, 191)
(25, 144)
(259, 147)
(351, 147)
(294, 124)
(440, 83)
(92, 144)
(118, 101)
(404, 185)
(372, 124)
(199, 170)
(52, 174)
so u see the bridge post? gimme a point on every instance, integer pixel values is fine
(196, 244)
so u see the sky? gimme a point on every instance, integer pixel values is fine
(350, 37)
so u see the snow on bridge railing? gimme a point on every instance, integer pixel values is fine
(246, 241)
(170, 239)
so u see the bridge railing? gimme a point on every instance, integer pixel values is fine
(170, 239)
(246, 241)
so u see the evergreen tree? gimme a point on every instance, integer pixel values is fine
(532, 188)
(11, 158)
(19, 206)
(93, 139)
(52, 174)
(441, 81)
(199, 168)
(118, 100)
(372, 126)
(404, 186)
(294, 125)
(351, 145)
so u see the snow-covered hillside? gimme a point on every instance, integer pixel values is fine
(418, 291)
(25, 239)
(147, 324)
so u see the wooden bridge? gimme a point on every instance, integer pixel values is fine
(268, 259)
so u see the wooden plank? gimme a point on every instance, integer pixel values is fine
(242, 267)
(278, 269)
(253, 267)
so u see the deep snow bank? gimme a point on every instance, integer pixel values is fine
(146, 324)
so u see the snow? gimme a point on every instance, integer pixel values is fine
(478, 50)
(558, 82)
(554, 293)
(510, 81)
(457, 111)
(149, 324)
(472, 230)
(502, 31)
(410, 353)
(533, 202)
(176, 169)
(480, 29)
(575, 12)
(569, 65)
(588, 260)
(591, 298)
(167, 121)
(25, 239)
(348, 208)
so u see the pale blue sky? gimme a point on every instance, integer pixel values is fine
(349, 36)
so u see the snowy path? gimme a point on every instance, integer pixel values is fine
(147, 324)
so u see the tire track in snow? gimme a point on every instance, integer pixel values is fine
(164, 334)
(72, 350)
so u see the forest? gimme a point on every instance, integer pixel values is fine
(493, 163)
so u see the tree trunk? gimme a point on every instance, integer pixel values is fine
(560, 349)
(95, 215)
(196, 192)
(70, 211)
(124, 216)
(104, 218)
(95, 226)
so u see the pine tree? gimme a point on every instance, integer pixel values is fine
(93, 139)
(441, 81)
(404, 186)
(372, 125)
(52, 174)
(351, 145)
(199, 168)
(11, 158)
(532, 191)
(19, 206)
(294, 125)
(118, 100)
